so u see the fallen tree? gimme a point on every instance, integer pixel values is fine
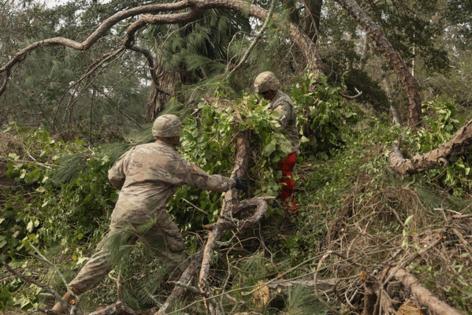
(460, 142)
(225, 221)
(421, 294)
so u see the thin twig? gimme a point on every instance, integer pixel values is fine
(33, 281)
(256, 39)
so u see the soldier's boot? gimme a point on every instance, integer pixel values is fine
(61, 307)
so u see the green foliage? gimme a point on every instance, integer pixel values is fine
(440, 123)
(323, 116)
(301, 301)
(67, 197)
(208, 141)
(40, 94)
(198, 50)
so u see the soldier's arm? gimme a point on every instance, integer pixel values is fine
(116, 174)
(195, 176)
(283, 111)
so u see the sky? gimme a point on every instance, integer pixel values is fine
(51, 3)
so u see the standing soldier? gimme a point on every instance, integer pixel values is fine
(267, 85)
(148, 176)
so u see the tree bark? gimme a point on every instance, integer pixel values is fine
(229, 204)
(117, 308)
(161, 93)
(423, 295)
(185, 278)
(312, 18)
(460, 142)
(409, 82)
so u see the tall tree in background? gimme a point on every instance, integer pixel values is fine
(191, 53)
(397, 63)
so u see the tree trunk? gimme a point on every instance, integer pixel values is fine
(445, 153)
(160, 94)
(229, 203)
(396, 62)
(312, 18)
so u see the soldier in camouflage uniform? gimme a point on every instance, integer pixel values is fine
(268, 86)
(148, 176)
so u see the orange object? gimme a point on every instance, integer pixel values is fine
(287, 190)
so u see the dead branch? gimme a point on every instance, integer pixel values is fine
(229, 204)
(460, 142)
(261, 209)
(117, 308)
(183, 284)
(190, 288)
(351, 97)
(385, 303)
(321, 284)
(423, 295)
(185, 279)
(33, 281)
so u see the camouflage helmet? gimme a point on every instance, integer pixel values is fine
(266, 81)
(167, 126)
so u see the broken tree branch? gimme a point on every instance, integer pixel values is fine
(423, 295)
(460, 142)
(229, 204)
(185, 279)
(189, 273)
(117, 308)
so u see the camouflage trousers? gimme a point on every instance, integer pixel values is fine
(159, 232)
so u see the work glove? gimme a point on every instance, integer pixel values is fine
(241, 184)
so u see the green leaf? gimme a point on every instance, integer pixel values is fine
(269, 148)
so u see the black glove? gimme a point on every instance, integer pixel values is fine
(241, 184)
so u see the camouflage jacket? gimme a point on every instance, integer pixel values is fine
(282, 104)
(148, 176)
